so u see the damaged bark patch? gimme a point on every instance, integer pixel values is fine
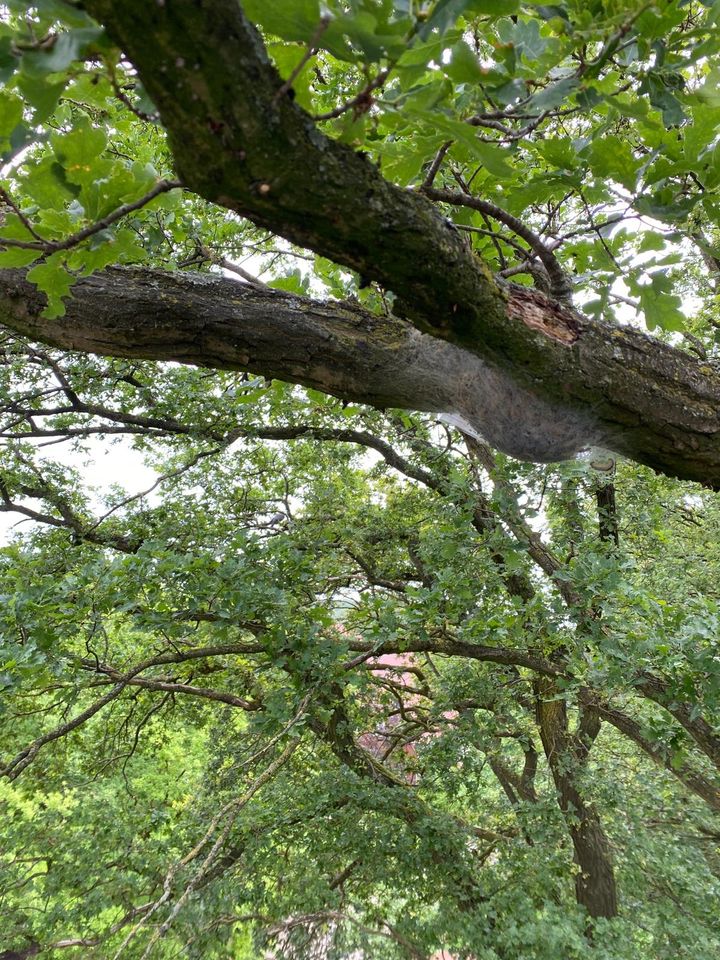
(538, 312)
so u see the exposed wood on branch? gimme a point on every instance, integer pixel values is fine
(206, 69)
(640, 397)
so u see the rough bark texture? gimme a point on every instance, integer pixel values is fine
(345, 350)
(238, 145)
(573, 383)
(336, 347)
(595, 887)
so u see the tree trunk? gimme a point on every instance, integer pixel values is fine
(595, 887)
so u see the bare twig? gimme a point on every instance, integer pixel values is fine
(311, 50)
(221, 261)
(171, 475)
(124, 98)
(560, 284)
(435, 165)
(360, 103)
(7, 199)
(15, 767)
(53, 246)
(229, 811)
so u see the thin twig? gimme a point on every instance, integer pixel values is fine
(124, 98)
(560, 285)
(171, 475)
(435, 165)
(26, 756)
(312, 49)
(361, 103)
(53, 246)
(232, 808)
(240, 271)
(7, 199)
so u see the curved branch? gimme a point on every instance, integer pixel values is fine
(560, 285)
(339, 348)
(14, 767)
(690, 777)
(205, 67)
(53, 246)
(655, 404)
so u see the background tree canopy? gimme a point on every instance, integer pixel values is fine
(373, 665)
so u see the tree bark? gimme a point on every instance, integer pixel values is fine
(341, 348)
(239, 145)
(595, 887)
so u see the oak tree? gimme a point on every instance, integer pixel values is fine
(377, 665)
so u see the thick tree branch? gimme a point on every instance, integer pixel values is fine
(685, 772)
(206, 69)
(665, 409)
(595, 886)
(459, 648)
(666, 695)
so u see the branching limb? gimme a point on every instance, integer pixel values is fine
(560, 285)
(361, 102)
(228, 813)
(53, 246)
(691, 778)
(434, 167)
(15, 766)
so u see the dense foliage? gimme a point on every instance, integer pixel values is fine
(297, 677)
